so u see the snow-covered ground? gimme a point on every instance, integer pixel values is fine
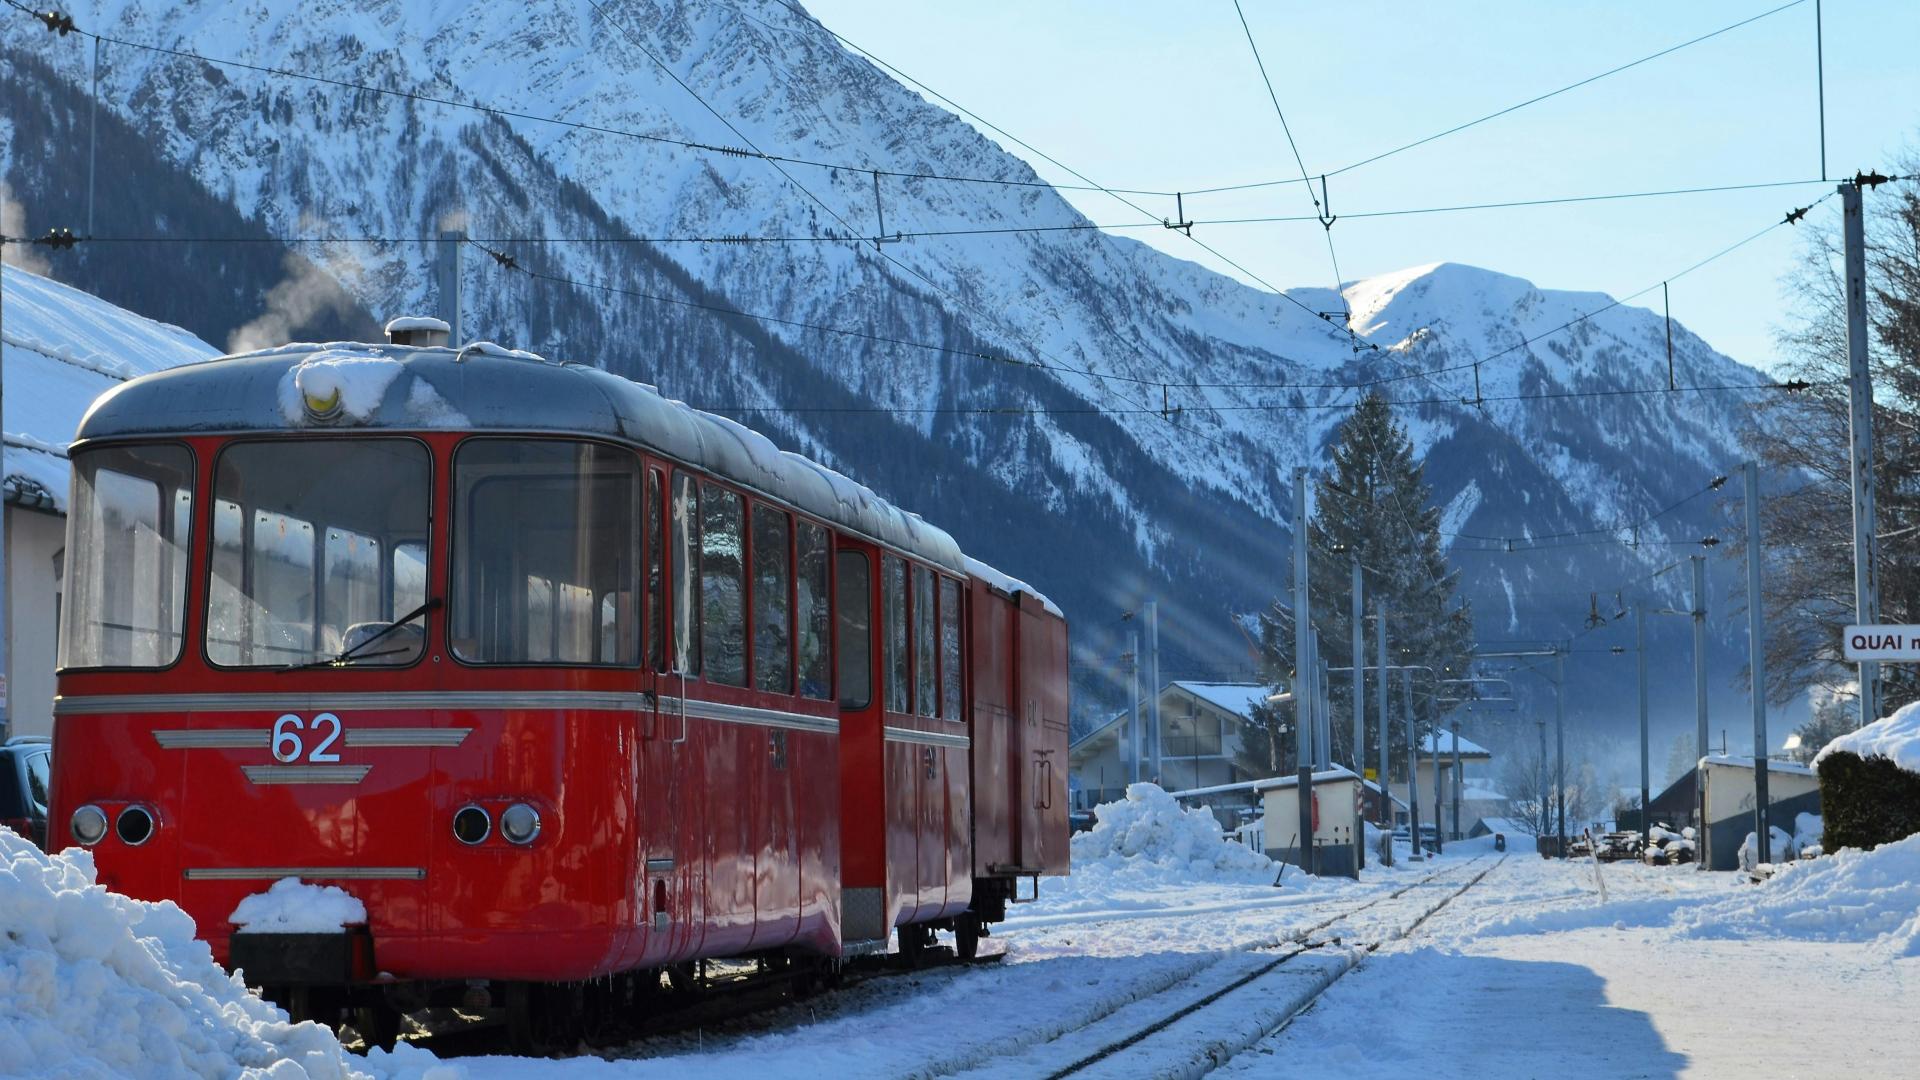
(1188, 954)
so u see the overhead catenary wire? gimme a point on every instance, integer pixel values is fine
(1496, 114)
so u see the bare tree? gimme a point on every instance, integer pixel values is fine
(1803, 441)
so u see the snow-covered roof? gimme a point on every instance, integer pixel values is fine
(1338, 772)
(62, 348)
(1236, 698)
(1506, 825)
(1740, 761)
(1896, 738)
(492, 389)
(1444, 740)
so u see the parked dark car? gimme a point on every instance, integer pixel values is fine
(26, 764)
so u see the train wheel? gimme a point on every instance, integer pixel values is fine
(966, 936)
(543, 1019)
(916, 939)
(378, 1023)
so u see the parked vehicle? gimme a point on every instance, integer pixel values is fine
(570, 684)
(25, 775)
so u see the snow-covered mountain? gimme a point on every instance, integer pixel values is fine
(1009, 386)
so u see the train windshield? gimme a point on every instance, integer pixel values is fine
(127, 543)
(318, 546)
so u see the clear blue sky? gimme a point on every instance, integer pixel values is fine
(1166, 96)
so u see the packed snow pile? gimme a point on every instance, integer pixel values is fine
(1807, 832)
(292, 906)
(1150, 826)
(1851, 895)
(94, 984)
(1779, 848)
(1896, 738)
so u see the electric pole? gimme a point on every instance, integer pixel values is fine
(1757, 663)
(1133, 721)
(448, 271)
(1386, 793)
(1700, 735)
(1359, 757)
(1152, 611)
(1646, 794)
(1304, 675)
(1413, 769)
(1560, 743)
(1459, 782)
(1866, 577)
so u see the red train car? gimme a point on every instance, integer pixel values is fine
(567, 683)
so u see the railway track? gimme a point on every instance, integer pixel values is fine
(1196, 1024)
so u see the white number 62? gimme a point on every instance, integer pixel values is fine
(286, 738)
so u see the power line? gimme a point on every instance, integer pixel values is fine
(1320, 212)
(855, 238)
(1536, 99)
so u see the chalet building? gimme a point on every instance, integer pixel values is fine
(1202, 727)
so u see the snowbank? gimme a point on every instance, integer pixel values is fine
(1896, 738)
(1851, 895)
(94, 984)
(1150, 826)
(291, 906)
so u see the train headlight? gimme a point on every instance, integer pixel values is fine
(471, 824)
(134, 825)
(322, 403)
(89, 825)
(520, 823)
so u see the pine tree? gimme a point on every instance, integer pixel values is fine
(1373, 504)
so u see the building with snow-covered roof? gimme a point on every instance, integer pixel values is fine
(1434, 768)
(61, 348)
(1203, 726)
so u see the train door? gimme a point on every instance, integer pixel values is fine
(1040, 736)
(865, 916)
(995, 798)
(670, 809)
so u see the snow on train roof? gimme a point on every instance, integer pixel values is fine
(486, 387)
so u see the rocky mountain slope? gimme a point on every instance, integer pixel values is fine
(1020, 388)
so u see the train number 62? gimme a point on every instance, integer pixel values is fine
(287, 746)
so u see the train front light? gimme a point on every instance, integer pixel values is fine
(471, 825)
(520, 824)
(89, 825)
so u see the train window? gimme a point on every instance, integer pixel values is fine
(925, 679)
(656, 578)
(853, 598)
(686, 581)
(950, 673)
(300, 569)
(772, 622)
(893, 613)
(543, 527)
(127, 557)
(816, 627)
(723, 586)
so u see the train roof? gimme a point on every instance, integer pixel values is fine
(483, 387)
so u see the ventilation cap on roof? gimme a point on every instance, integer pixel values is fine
(424, 330)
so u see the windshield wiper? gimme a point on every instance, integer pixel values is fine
(357, 652)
